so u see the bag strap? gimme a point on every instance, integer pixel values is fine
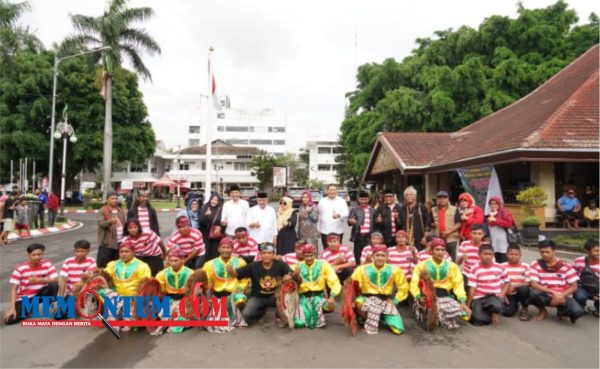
(215, 218)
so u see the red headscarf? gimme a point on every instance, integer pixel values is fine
(310, 199)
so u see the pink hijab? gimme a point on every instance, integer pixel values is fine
(310, 199)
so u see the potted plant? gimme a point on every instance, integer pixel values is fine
(534, 200)
(531, 228)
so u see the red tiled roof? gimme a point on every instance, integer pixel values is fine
(560, 114)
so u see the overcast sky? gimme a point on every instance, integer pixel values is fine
(296, 57)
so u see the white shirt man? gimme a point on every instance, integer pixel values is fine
(235, 212)
(333, 212)
(262, 220)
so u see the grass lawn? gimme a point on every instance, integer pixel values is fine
(162, 204)
(574, 239)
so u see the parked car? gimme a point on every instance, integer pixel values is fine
(316, 196)
(249, 194)
(295, 193)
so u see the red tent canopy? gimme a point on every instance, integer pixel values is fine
(165, 182)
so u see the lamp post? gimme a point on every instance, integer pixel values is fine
(57, 61)
(65, 131)
(179, 179)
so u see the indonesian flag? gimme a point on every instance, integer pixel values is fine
(213, 87)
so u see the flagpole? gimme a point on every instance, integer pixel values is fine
(209, 118)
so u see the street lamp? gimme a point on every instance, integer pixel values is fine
(57, 61)
(179, 179)
(65, 131)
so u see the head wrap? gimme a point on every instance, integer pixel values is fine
(267, 246)
(497, 199)
(310, 199)
(309, 248)
(467, 197)
(284, 213)
(182, 220)
(379, 248)
(437, 242)
(226, 241)
(127, 244)
(400, 233)
(177, 253)
(333, 237)
(376, 234)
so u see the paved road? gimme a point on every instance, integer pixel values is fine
(511, 344)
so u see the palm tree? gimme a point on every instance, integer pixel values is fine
(13, 36)
(113, 28)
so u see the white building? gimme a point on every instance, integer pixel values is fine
(263, 129)
(321, 161)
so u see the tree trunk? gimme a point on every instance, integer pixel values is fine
(108, 135)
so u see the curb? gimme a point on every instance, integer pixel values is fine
(67, 211)
(69, 226)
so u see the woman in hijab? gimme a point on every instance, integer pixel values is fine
(308, 216)
(499, 221)
(210, 225)
(192, 213)
(286, 226)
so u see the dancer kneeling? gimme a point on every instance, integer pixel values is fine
(438, 288)
(313, 276)
(376, 282)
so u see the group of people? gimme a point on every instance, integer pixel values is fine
(15, 212)
(570, 214)
(401, 255)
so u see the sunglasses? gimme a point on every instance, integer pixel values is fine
(281, 202)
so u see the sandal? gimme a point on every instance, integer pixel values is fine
(524, 316)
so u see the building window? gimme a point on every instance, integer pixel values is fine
(139, 168)
(122, 168)
(184, 166)
(261, 142)
(221, 128)
(278, 142)
(235, 141)
(324, 150)
(220, 115)
(276, 129)
(203, 165)
(338, 150)
(324, 168)
(194, 129)
(241, 166)
(250, 129)
(194, 142)
(236, 129)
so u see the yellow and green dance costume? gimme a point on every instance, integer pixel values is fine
(315, 278)
(173, 284)
(377, 288)
(224, 284)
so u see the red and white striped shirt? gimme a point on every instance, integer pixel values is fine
(487, 279)
(579, 265)
(188, 244)
(332, 256)
(144, 217)
(402, 259)
(72, 270)
(365, 228)
(517, 273)
(367, 252)
(24, 271)
(558, 280)
(470, 254)
(146, 244)
(290, 259)
(426, 254)
(249, 249)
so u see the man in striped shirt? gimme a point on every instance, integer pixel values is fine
(244, 246)
(402, 255)
(143, 211)
(588, 286)
(75, 267)
(35, 277)
(519, 276)
(339, 256)
(468, 251)
(292, 258)
(488, 285)
(188, 240)
(366, 256)
(362, 221)
(553, 282)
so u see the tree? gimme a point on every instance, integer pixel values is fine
(457, 77)
(13, 36)
(262, 167)
(113, 28)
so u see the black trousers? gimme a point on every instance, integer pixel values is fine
(345, 274)
(570, 308)
(106, 255)
(40, 215)
(451, 250)
(324, 239)
(521, 296)
(50, 289)
(500, 257)
(360, 242)
(212, 248)
(154, 262)
(256, 307)
(483, 308)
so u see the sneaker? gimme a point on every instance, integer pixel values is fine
(592, 310)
